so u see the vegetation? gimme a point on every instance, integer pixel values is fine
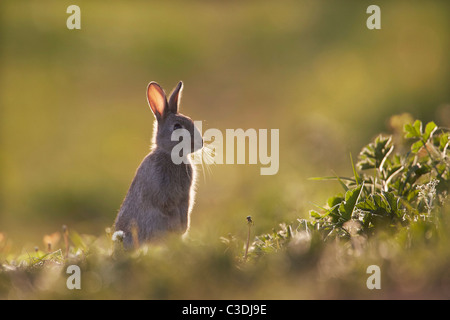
(392, 192)
(393, 214)
(75, 124)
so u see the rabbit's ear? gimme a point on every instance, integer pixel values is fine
(157, 100)
(175, 97)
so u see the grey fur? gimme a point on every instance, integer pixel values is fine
(161, 194)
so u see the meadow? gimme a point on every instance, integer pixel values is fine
(361, 181)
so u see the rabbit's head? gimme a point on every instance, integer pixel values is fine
(170, 123)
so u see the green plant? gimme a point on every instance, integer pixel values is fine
(388, 191)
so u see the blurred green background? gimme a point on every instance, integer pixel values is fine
(75, 125)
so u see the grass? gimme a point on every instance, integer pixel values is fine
(309, 68)
(393, 213)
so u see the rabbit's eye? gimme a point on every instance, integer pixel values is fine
(177, 126)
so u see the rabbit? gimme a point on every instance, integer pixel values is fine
(161, 195)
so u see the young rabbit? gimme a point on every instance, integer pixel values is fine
(161, 194)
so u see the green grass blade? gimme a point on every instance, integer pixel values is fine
(354, 170)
